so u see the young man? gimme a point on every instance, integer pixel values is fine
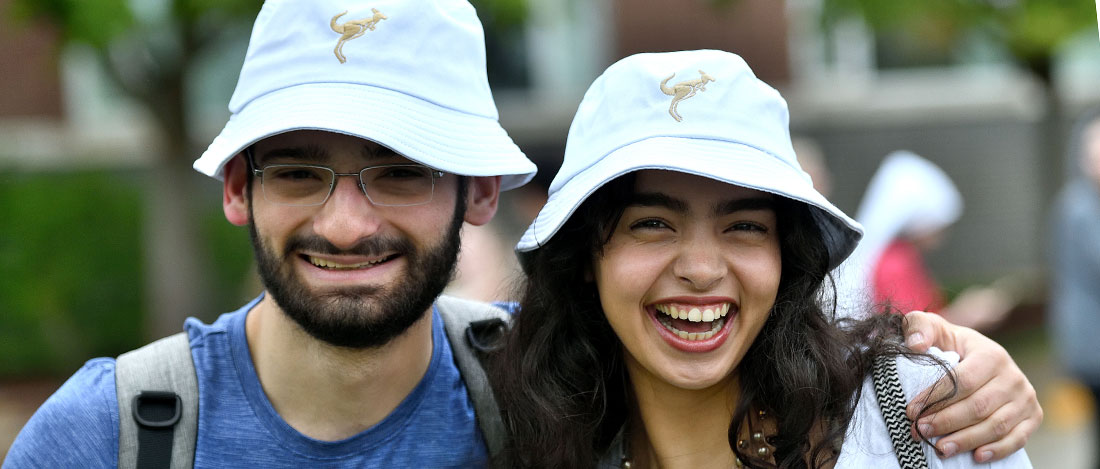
(358, 144)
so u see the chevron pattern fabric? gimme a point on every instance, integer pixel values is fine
(891, 401)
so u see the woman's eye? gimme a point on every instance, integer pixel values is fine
(748, 226)
(648, 224)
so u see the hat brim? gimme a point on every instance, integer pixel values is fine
(724, 161)
(451, 141)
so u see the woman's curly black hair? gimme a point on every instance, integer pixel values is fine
(563, 389)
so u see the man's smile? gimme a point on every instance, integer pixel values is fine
(331, 264)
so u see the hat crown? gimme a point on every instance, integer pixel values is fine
(714, 93)
(697, 112)
(425, 49)
(406, 74)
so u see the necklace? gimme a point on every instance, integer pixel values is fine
(757, 444)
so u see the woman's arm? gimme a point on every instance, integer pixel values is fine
(996, 408)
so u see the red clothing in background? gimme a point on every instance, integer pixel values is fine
(902, 280)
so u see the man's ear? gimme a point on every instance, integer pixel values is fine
(481, 199)
(235, 191)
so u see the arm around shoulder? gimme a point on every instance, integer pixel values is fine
(76, 427)
(916, 375)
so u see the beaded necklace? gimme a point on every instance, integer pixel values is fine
(757, 443)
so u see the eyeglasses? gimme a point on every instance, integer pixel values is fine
(391, 185)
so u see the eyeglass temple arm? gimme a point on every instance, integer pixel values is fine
(252, 164)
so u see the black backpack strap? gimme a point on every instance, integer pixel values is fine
(470, 327)
(157, 405)
(891, 400)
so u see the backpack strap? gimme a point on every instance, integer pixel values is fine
(470, 327)
(891, 400)
(158, 408)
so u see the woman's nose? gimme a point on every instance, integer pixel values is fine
(699, 264)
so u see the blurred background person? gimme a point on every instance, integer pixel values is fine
(487, 268)
(1074, 313)
(906, 211)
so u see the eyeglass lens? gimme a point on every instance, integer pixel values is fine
(392, 185)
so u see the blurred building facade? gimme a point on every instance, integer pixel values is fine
(856, 94)
(861, 95)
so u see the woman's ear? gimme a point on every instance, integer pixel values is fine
(482, 198)
(235, 200)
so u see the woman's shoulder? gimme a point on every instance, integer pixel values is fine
(867, 442)
(921, 371)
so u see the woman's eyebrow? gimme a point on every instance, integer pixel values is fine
(657, 199)
(750, 203)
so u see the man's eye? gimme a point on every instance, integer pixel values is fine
(404, 173)
(296, 174)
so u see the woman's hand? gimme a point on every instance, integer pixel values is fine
(995, 410)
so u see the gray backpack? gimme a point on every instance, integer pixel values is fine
(158, 393)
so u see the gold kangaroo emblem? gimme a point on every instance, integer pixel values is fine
(352, 29)
(684, 90)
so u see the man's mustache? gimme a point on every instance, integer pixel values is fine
(371, 246)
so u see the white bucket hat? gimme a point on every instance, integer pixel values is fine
(407, 74)
(699, 112)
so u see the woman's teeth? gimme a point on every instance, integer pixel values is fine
(712, 314)
(693, 313)
(717, 326)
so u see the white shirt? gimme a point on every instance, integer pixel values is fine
(867, 443)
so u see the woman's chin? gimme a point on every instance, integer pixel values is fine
(697, 376)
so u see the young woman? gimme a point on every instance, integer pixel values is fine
(671, 316)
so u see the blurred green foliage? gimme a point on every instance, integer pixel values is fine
(71, 263)
(95, 23)
(100, 23)
(501, 13)
(1031, 30)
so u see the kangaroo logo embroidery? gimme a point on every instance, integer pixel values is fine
(684, 90)
(352, 29)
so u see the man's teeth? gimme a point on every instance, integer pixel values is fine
(327, 264)
(693, 313)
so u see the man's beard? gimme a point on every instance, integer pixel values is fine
(361, 317)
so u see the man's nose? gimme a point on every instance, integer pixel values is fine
(347, 216)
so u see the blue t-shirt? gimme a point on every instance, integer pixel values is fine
(433, 427)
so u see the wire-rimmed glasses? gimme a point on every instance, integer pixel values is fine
(303, 185)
